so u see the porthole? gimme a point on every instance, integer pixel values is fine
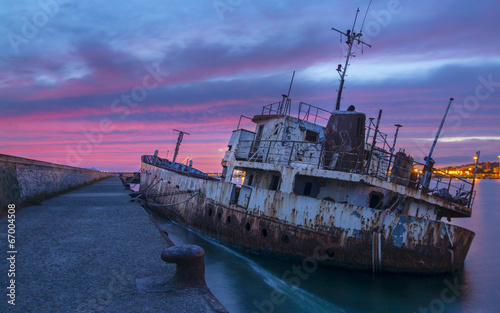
(264, 232)
(330, 252)
(285, 239)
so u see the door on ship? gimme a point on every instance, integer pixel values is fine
(256, 144)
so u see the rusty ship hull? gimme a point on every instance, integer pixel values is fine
(332, 234)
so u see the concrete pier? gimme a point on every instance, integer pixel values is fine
(22, 178)
(92, 250)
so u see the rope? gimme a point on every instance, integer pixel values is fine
(382, 218)
(135, 175)
(452, 259)
(379, 252)
(376, 252)
(152, 185)
(447, 233)
(168, 194)
(373, 252)
(165, 205)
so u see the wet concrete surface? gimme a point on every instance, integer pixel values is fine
(92, 250)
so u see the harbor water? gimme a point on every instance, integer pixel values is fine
(245, 282)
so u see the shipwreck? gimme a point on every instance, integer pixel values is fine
(322, 184)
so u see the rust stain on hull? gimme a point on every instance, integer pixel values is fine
(378, 242)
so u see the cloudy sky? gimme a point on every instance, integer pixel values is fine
(100, 83)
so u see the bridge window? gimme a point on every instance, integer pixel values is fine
(308, 189)
(274, 182)
(250, 180)
(311, 136)
(306, 186)
(375, 198)
(360, 128)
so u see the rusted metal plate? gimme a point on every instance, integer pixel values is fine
(285, 225)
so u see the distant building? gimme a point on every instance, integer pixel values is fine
(483, 169)
(487, 166)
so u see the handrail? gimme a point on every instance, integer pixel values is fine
(283, 108)
(239, 122)
(307, 112)
(286, 152)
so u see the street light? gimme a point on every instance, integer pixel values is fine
(476, 157)
(499, 166)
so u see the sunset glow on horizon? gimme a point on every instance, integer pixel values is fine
(97, 85)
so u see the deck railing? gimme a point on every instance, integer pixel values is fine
(406, 172)
(164, 163)
(278, 108)
(378, 161)
(306, 112)
(314, 114)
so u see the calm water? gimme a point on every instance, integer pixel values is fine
(248, 283)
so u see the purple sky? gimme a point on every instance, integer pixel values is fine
(98, 84)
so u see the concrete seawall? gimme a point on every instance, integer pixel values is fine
(93, 250)
(21, 178)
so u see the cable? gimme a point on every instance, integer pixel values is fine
(166, 205)
(361, 30)
(151, 185)
(169, 194)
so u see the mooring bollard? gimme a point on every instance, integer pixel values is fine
(190, 263)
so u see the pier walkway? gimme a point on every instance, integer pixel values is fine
(92, 250)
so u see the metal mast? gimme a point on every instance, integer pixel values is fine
(352, 37)
(428, 161)
(179, 140)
